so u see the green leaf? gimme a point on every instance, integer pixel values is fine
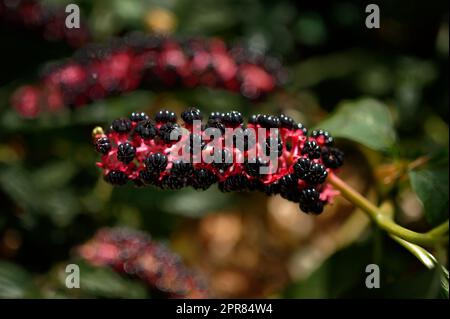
(195, 204)
(366, 121)
(15, 282)
(431, 186)
(336, 276)
(54, 175)
(16, 183)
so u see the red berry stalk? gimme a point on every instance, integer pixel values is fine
(142, 61)
(46, 21)
(141, 150)
(135, 254)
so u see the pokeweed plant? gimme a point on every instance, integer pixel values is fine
(303, 167)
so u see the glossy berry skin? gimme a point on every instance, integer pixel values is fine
(138, 116)
(298, 172)
(146, 129)
(254, 119)
(317, 175)
(103, 145)
(165, 131)
(126, 152)
(203, 179)
(165, 116)
(286, 121)
(128, 252)
(332, 157)
(269, 121)
(322, 137)
(233, 119)
(311, 149)
(117, 178)
(310, 202)
(191, 114)
(121, 125)
(156, 162)
(253, 166)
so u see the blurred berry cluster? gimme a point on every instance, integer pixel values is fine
(45, 21)
(137, 61)
(135, 254)
(141, 149)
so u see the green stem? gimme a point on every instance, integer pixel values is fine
(384, 222)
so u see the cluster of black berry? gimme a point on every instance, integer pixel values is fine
(140, 149)
(98, 71)
(135, 254)
(46, 21)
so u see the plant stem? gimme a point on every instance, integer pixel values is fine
(384, 222)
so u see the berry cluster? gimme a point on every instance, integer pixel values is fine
(46, 21)
(135, 254)
(141, 150)
(142, 61)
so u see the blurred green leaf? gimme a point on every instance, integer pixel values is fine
(366, 121)
(335, 276)
(431, 185)
(15, 282)
(16, 183)
(62, 206)
(54, 175)
(94, 113)
(196, 204)
(58, 203)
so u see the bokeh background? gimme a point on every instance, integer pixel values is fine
(382, 92)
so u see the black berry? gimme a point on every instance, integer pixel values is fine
(254, 119)
(146, 129)
(302, 168)
(103, 145)
(190, 115)
(234, 183)
(311, 149)
(116, 178)
(165, 132)
(322, 137)
(137, 117)
(224, 160)
(181, 169)
(288, 186)
(310, 201)
(149, 177)
(269, 121)
(121, 125)
(253, 166)
(126, 152)
(173, 182)
(203, 179)
(332, 157)
(277, 151)
(156, 162)
(165, 116)
(233, 118)
(286, 121)
(318, 174)
(300, 127)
